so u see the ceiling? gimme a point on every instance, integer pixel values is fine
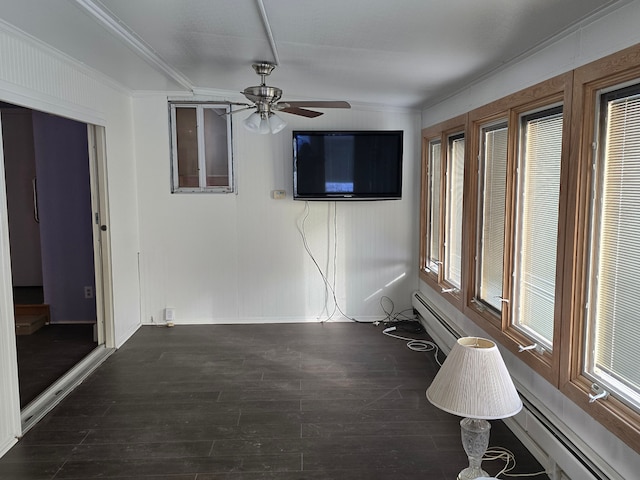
(401, 53)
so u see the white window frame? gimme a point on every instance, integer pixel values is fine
(202, 169)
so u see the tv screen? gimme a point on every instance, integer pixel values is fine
(347, 165)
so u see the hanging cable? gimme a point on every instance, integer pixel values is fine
(327, 283)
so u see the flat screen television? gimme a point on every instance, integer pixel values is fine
(347, 165)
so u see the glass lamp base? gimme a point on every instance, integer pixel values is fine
(475, 440)
(472, 473)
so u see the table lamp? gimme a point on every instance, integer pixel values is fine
(474, 383)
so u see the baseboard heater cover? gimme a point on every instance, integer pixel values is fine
(445, 334)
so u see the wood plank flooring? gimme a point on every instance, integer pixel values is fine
(248, 402)
(46, 355)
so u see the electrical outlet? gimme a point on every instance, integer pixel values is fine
(169, 314)
(88, 292)
(279, 194)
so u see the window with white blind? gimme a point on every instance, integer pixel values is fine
(613, 329)
(433, 211)
(492, 178)
(553, 226)
(536, 224)
(201, 151)
(453, 211)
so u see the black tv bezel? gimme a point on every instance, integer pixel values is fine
(328, 196)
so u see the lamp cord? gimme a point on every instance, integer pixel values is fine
(415, 345)
(501, 453)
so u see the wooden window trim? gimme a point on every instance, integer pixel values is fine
(426, 275)
(577, 90)
(485, 318)
(612, 70)
(555, 90)
(441, 131)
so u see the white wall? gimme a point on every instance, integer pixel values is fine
(589, 42)
(585, 43)
(232, 258)
(34, 76)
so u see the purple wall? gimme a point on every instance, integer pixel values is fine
(20, 169)
(64, 200)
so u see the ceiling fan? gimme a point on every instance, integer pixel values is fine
(266, 102)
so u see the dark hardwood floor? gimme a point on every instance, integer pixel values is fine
(49, 353)
(247, 402)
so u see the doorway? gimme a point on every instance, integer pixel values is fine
(57, 275)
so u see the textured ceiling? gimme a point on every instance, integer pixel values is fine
(403, 53)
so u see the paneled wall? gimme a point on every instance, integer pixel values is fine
(231, 258)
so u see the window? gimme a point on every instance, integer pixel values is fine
(453, 211)
(551, 224)
(201, 148)
(492, 181)
(441, 212)
(536, 225)
(434, 172)
(518, 170)
(613, 330)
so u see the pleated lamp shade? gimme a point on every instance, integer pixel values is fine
(474, 382)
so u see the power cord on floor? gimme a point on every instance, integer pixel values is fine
(501, 453)
(415, 344)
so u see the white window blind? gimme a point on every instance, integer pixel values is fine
(614, 333)
(537, 224)
(453, 213)
(492, 191)
(433, 223)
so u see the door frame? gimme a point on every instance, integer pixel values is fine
(54, 394)
(19, 421)
(96, 136)
(10, 427)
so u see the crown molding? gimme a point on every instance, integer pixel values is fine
(114, 25)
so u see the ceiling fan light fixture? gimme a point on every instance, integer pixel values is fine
(276, 123)
(266, 101)
(252, 122)
(263, 123)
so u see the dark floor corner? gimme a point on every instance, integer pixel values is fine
(248, 402)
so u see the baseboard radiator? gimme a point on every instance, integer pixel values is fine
(559, 454)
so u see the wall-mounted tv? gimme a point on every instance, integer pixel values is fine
(347, 165)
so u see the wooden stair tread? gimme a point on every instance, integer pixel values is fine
(28, 324)
(30, 318)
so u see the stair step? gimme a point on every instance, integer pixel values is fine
(28, 324)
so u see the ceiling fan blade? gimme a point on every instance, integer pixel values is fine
(247, 107)
(301, 111)
(319, 104)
